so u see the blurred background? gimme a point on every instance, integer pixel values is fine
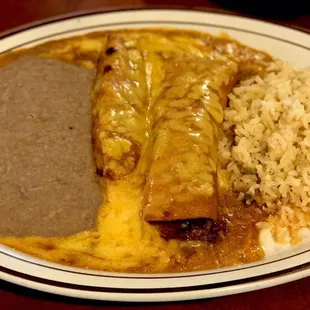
(268, 8)
(291, 12)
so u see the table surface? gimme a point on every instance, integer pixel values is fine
(295, 295)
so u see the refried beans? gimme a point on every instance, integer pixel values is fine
(48, 185)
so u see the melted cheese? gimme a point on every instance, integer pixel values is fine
(126, 240)
(122, 241)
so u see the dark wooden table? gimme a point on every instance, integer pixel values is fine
(295, 295)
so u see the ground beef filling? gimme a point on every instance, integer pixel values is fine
(205, 230)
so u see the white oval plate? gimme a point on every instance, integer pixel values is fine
(289, 45)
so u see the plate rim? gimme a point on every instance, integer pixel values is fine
(127, 8)
(162, 296)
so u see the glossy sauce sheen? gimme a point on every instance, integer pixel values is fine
(122, 240)
(239, 244)
(181, 181)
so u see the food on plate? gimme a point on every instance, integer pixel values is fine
(48, 186)
(199, 143)
(120, 105)
(266, 147)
